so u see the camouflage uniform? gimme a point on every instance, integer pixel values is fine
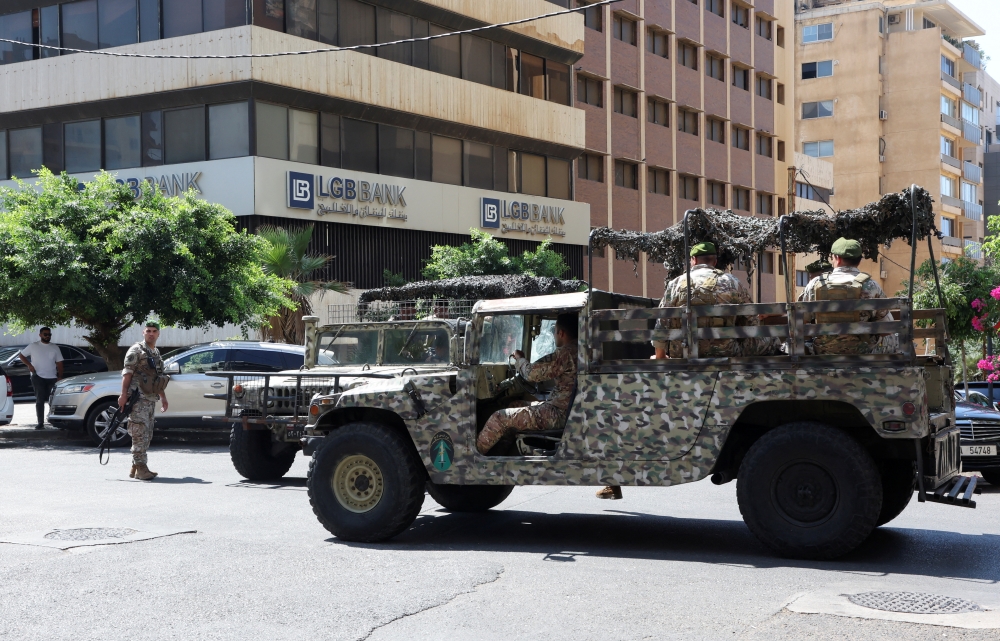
(522, 416)
(848, 343)
(140, 421)
(728, 290)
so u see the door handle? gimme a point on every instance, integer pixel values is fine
(216, 384)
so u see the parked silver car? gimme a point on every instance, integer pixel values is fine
(6, 399)
(88, 402)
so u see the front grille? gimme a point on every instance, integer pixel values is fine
(980, 431)
(63, 410)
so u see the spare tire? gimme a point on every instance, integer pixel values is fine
(469, 498)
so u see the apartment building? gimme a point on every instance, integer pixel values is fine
(688, 103)
(813, 191)
(387, 151)
(890, 94)
(991, 157)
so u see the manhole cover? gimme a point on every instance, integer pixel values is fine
(91, 534)
(913, 603)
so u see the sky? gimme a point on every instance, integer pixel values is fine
(986, 13)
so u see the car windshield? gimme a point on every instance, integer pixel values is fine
(502, 334)
(348, 347)
(410, 345)
(201, 361)
(7, 352)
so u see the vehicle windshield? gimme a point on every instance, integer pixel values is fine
(545, 343)
(502, 334)
(410, 345)
(348, 347)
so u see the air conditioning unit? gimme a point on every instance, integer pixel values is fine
(884, 274)
(883, 115)
(881, 158)
(894, 19)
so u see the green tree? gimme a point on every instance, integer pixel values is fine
(487, 256)
(286, 255)
(392, 279)
(96, 255)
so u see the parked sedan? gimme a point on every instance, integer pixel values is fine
(75, 361)
(6, 399)
(88, 402)
(980, 427)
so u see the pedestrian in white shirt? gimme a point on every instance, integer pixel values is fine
(46, 368)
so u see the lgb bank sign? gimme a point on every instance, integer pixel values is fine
(305, 189)
(530, 218)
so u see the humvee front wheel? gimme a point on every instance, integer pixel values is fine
(366, 483)
(257, 456)
(809, 491)
(468, 498)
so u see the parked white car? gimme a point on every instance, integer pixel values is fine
(6, 399)
(89, 401)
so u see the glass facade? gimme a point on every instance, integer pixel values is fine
(25, 150)
(122, 142)
(228, 130)
(82, 146)
(184, 135)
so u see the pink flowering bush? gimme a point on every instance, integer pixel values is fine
(990, 366)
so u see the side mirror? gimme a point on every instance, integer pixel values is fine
(172, 368)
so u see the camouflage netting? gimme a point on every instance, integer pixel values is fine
(474, 288)
(740, 237)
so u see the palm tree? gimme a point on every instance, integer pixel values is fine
(287, 256)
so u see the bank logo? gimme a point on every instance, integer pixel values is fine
(300, 190)
(491, 213)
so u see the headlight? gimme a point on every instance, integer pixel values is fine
(75, 389)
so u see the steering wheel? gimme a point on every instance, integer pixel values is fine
(519, 381)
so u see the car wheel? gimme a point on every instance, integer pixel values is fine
(98, 421)
(366, 482)
(991, 476)
(468, 498)
(809, 491)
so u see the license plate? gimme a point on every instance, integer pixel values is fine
(294, 435)
(979, 450)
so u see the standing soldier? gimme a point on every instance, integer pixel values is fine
(846, 282)
(143, 371)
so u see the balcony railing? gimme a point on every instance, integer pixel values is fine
(972, 95)
(951, 81)
(951, 241)
(971, 56)
(951, 120)
(954, 162)
(972, 132)
(972, 172)
(973, 211)
(951, 201)
(974, 249)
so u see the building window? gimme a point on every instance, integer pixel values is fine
(184, 135)
(821, 69)
(741, 15)
(593, 18)
(763, 27)
(781, 212)
(765, 146)
(970, 113)
(928, 24)
(591, 167)
(947, 146)
(272, 130)
(687, 187)
(3, 154)
(818, 149)
(781, 151)
(822, 109)
(781, 94)
(25, 151)
(718, 7)
(658, 181)
(625, 102)
(817, 32)
(881, 24)
(116, 23)
(687, 54)
(228, 131)
(303, 136)
(741, 78)
(624, 29)
(329, 142)
(626, 174)
(715, 67)
(716, 193)
(122, 148)
(687, 121)
(741, 198)
(741, 138)
(949, 106)
(446, 166)
(765, 202)
(658, 43)
(589, 91)
(969, 192)
(532, 74)
(658, 112)
(477, 56)
(360, 148)
(948, 186)
(557, 81)
(948, 226)
(767, 261)
(82, 145)
(948, 65)
(715, 130)
(780, 37)
(763, 87)
(801, 278)
(805, 191)
(396, 154)
(557, 178)
(152, 138)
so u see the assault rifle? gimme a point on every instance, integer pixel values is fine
(121, 413)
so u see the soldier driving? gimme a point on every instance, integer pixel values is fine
(845, 282)
(143, 372)
(559, 367)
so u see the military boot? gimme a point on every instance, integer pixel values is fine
(613, 492)
(142, 472)
(131, 474)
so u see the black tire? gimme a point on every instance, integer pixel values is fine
(809, 491)
(257, 457)
(991, 476)
(379, 478)
(97, 424)
(899, 482)
(469, 498)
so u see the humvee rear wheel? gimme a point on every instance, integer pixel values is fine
(468, 498)
(809, 491)
(366, 482)
(899, 482)
(257, 456)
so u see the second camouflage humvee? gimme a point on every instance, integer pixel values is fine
(823, 448)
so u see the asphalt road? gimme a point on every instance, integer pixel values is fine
(549, 563)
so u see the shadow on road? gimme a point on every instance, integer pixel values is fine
(286, 483)
(619, 534)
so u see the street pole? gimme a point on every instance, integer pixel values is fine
(989, 381)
